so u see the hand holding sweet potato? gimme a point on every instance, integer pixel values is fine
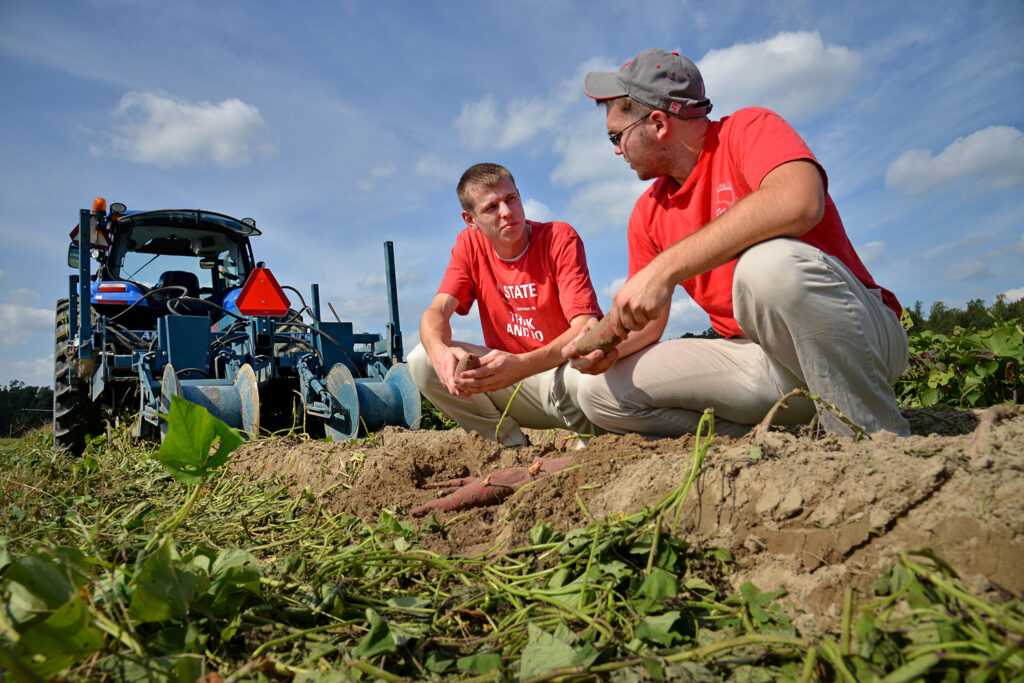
(600, 336)
(467, 362)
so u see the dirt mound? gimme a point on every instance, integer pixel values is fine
(809, 515)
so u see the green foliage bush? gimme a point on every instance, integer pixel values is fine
(968, 368)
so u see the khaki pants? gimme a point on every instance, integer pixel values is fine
(810, 324)
(546, 400)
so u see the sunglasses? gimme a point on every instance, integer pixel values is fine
(616, 138)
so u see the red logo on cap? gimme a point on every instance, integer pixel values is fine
(674, 108)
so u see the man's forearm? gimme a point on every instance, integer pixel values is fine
(789, 202)
(642, 338)
(435, 331)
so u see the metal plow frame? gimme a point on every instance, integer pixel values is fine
(249, 357)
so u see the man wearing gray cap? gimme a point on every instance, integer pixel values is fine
(740, 216)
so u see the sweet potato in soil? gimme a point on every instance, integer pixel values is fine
(471, 492)
(811, 515)
(600, 336)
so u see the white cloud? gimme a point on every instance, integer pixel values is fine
(17, 323)
(685, 316)
(794, 74)
(966, 243)
(377, 173)
(467, 328)
(405, 277)
(587, 157)
(435, 168)
(485, 124)
(615, 286)
(166, 131)
(1014, 294)
(360, 309)
(482, 125)
(38, 372)
(602, 206)
(995, 154)
(373, 281)
(872, 253)
(605, 187)
(967, 270)
(23, 295)
(537, 211)
(383, 171)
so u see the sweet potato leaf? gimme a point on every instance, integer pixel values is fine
(62, 639)
(165, 587)
(191, 434)
(378, 640)
(544, 652)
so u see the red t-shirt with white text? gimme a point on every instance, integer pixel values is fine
(739, 151)
(526, 303)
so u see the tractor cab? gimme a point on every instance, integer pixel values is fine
(177, 261)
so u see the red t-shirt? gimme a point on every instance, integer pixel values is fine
(739, 151)
(526, 303)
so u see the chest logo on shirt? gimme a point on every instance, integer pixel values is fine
(725, 197)
(521, 326)
(527, 291)
(521, 298)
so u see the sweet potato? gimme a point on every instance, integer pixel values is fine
(600, 336)
(467, 362)
(490, 490)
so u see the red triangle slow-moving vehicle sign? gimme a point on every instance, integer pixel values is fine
(261, 295)
(97, 238)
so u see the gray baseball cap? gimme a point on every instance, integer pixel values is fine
(661, 80)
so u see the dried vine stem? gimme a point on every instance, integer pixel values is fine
(761, 430)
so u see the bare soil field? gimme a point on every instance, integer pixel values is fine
(811, 515)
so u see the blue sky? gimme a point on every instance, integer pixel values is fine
(338, 125)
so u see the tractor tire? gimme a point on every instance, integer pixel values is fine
(72, 409)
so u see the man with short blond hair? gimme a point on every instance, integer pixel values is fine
(533, 290)
(739, 215)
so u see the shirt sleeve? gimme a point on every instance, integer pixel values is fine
(762, 140)
(458, 277)
(575, 288)
(642, 248)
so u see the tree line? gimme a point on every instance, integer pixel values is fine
(943, 320)
(976, 315)
(940, 318)
(23, 407)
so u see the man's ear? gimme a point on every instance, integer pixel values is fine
(468, 217)
(661, 122)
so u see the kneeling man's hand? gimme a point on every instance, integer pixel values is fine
(593, 363)
(498, 369)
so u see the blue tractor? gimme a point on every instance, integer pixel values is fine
(177, 306)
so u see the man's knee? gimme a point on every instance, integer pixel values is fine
(772, 270)
(594, 398)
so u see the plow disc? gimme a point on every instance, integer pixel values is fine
(235, 402)
(370, 402)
